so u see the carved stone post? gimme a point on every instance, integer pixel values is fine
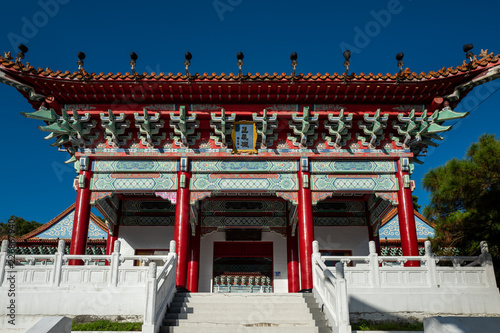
(58, 261)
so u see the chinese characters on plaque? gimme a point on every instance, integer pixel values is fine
(244, 137)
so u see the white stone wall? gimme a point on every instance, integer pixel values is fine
(143, 238)
(343, 238)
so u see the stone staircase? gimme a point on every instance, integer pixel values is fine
(244, 312)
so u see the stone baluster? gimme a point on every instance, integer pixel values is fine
(58, 263)
(374, 266)
(431, 264)
(115, 264)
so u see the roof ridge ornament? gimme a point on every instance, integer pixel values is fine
(468, 54)
(293, 58)
(347, 62)
(187, 62)
(81, 57)
(133, 62)
(240, 57)
(20, 55)
(399, 58)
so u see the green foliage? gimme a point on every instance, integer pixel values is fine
(21, 227)
(465, 196)
(416, 206)
(106, 325)
(364, 325)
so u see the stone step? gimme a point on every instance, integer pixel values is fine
(244, 329)
(223, 308)
(241, 299)
(240, 312)
(223, 316)
(215, 323)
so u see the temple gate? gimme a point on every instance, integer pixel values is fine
(245, 171)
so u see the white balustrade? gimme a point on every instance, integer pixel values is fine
(439, 285)
(35, 277)
(331, 292)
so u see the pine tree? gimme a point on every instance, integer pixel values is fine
(465, 200)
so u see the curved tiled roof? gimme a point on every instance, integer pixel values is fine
(394, 211)
(484, 60)
(56, 219)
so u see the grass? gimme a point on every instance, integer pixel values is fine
(364, 325)
(106, 325)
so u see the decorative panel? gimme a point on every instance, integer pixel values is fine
(148, 220)
(99, 195)
(390, 196)
(135, 206)
(353, 167)
(127, 182)
(135, 166)
(220, 221)
(339, 206)
(243, 206)
(243, 166)
(354, 183)
(390, 230)
(338, 221)
(64, 228)
(250, 182)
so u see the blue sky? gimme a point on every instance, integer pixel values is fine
(37, 185)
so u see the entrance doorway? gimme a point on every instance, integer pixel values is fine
(243, 267)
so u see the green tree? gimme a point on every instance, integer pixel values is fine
(465, 196)
(21, 227)
(416, 206)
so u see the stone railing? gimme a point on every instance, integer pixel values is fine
(330, 290)
(56, 288)
(434, 271)
(160, 291)
(382, 287)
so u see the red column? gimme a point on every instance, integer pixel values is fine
(81, 219)
(194, 260)
(110, 242)
(182, 228)
(292, 254)
(306, 231)
(406, 217)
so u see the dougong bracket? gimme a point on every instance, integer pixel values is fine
(223, 128)
(149, 127)
(184, 128)
(265, 127)
(373, 129)
(115, 128)
(338, 129)
(303, 129)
